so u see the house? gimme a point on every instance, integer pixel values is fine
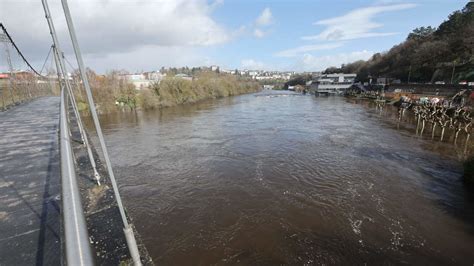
(138, 80)
(156, 76)
(253, 74)
(18, 74)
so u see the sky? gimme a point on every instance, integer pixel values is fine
(284, 35)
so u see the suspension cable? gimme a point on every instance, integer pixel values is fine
(18, 50)
(69, 63)
(46, 60)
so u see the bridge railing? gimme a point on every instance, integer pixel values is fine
(19, 86)
(76, 237)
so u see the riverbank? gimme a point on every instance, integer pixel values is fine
(111, 93)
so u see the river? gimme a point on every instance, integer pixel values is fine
(280, 178)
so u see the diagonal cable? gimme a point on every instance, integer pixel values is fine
(46, 60)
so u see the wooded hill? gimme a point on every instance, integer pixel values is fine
(427, 55)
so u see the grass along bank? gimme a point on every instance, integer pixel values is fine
(112, 93)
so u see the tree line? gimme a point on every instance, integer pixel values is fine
(428, 54)
(111, 89)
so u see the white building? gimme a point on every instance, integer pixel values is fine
(139, 80)
(154, 75)
(132, 77)
(183, 76)
(253, 74)
(227, 71)
(333, 83)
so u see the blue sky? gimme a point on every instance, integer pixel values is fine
(291, 20)
(300, 35)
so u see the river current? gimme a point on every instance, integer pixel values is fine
(280, 178)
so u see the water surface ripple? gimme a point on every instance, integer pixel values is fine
(278, 178)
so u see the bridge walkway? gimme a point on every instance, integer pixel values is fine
(30, 184)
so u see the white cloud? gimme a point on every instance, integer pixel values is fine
(156, 57)
(318, 63)
(265, 18)
(252, 64)
(356, 24)
(108, 28)
(258, 33)
(307, 48)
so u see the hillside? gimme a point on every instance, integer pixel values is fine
(427, 55)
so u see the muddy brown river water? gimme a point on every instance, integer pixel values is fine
(279, 178)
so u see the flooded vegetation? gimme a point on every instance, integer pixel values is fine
(282, 178)
(114, 92)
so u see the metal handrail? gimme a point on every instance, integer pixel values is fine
(127, 227)
(77, 248)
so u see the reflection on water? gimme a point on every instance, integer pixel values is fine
(278, 178)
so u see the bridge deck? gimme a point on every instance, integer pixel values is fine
(30, 188)
(30, 184)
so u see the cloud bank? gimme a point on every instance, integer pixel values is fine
(265, 18)
(318, 63)
(307, 48)
(340, 31)
(107, 28)
(356, 24)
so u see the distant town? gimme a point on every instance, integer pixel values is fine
(313, 82)
(144, 79)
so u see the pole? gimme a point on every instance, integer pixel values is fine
(81, 128)
(409, 75)
(62, 69)
(452, 74)
(3, 97)
(10, 69)
(131, 242)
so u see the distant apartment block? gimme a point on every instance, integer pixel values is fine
(336, 83)
(143, 80)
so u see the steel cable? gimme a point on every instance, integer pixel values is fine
(46, 60)
(18, 51)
